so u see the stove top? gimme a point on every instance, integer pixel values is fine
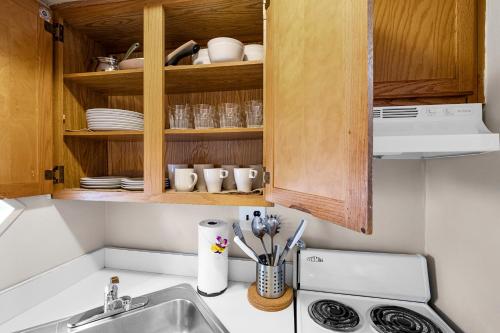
(361, 292)
(319, 312)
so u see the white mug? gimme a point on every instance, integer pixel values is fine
(198, 168)
(185, 180)
(244, 178)
(213, 179)
(171, 172)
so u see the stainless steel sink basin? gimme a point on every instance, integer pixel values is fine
(178, 309)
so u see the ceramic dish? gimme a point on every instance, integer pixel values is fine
(224, 49)
(253, 52)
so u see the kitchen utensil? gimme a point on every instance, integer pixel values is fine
(222, 49)
(259, 230)
(258, 181)
(105, 64)
(213, 242)
(186, 49)
(292, 241)
(230, 115)
(131, 49)
(185, 180)
(254, 113)
(270, 279)
(201, 58)
(248, 251)
(239, 234)
(180, 116)
(244, 178)
(253, 52)
(272, 227)
(171, 172)
(201, 184)
(213, 179)
(229, 183)
(276, 253)
(204, 116)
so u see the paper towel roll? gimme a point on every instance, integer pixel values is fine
(212, 257)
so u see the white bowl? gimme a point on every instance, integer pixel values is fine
(131, 63)
(224, 49)
(201, 57)
(254, 52)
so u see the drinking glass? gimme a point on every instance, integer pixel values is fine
(180, 116)
(230, 115)
(254, 113)
(204, 116)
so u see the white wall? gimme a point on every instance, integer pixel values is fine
(463, 217)
(47, 234)
(398, 219)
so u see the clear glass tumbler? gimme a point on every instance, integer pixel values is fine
(204, 116)
(230, 115)
(180, 116)
(254, 113)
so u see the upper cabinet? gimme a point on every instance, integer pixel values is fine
(426, 51)
(318, 98)
(326, 62)
(25, 101)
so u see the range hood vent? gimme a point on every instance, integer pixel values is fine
(431, 131)
(403, 112)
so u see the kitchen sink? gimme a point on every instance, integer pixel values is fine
(178, 309)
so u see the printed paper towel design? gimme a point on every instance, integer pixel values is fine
(213, 243)
(220, 245)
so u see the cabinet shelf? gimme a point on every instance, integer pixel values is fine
(104, 135)
(213, 134)
(170, 197)
(237, 75)
(178, 79)
(122, 82)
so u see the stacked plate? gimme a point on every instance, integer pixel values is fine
(114, 120)
(101, 182)
(137, 184)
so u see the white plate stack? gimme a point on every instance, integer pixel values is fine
(133, 184)
(137, 184)
(107, 182)
(103, 119)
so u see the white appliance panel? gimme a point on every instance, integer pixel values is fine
(390, 276)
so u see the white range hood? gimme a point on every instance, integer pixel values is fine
(431, 131)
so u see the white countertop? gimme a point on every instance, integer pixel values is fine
(232, 307)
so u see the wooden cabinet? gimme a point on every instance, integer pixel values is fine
(316, 82)
(426, 51)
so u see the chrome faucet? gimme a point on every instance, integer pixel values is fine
(111, 300)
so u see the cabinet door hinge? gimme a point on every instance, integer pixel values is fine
(267, 177)
(56, 174)
(267, 3)
(56, 29)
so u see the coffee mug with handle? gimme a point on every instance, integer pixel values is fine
(244, 178)
(213, 179)
(185, 180)
(171, 172)
(201, 184)
(229, 183)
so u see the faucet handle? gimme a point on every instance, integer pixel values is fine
(114, 280)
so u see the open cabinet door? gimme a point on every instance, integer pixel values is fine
(318, 100)
(25, 100)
